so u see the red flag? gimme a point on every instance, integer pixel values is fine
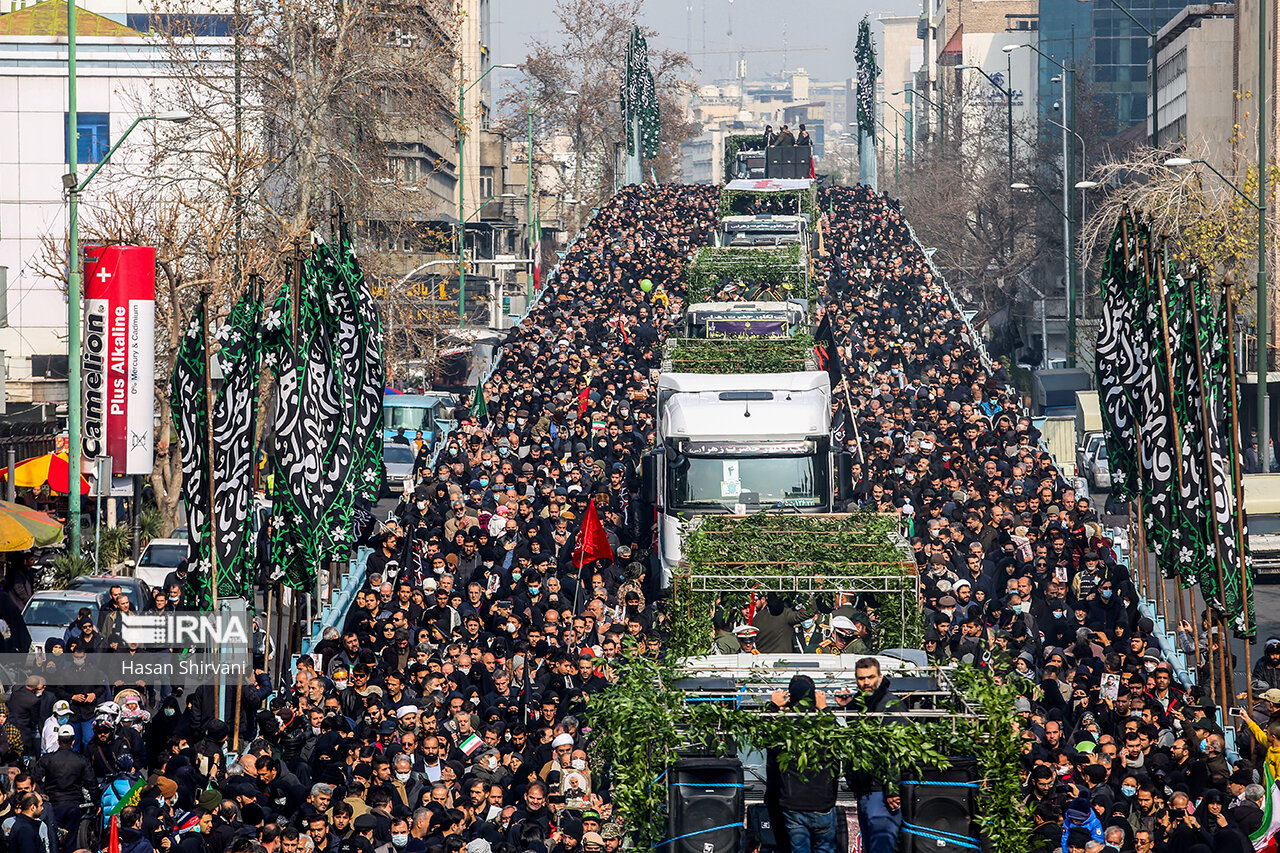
(584, 400)
(537, 253)
(813, 172)
(593, 542)
(113, 840)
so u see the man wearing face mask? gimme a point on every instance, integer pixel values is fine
(399, 837)
(488, 768)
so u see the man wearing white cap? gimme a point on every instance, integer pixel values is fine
(746, 635)
(65, 776)
(561, 756)
(49, 733)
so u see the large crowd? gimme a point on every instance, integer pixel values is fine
(451, 710)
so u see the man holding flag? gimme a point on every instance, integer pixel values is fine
(592, 542)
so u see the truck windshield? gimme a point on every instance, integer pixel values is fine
(410, 419)
(762, 238)
(700, 482)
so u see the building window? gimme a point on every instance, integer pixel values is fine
(487, 174)
(94, 135)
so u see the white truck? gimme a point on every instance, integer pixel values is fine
(740, 444)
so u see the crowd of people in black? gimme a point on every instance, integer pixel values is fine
(451, 710)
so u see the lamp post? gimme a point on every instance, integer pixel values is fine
(528, 222)
(1068, 262)
(462, 186)
(74, 186)
(910, 140)
(1261, 207)
(942, 113)
(1067, 238)
(894, 134)
(1155, 55)
(1007, 91)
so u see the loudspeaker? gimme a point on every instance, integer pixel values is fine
(760, 827)
(940, 808)
(705, 806)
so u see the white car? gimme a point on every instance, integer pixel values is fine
(398, 462)
(160, 557)
(1096, 468)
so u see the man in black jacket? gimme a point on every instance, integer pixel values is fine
(879, 805)
(807, 801)
(66, 779)
(27, 834)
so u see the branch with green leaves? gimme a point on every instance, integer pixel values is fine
(640, 722)
(768, 551)
(777, 274)
(740, 354)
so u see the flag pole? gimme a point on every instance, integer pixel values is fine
(1147, 274)
(1230, 296)
(212, 513)
(208, 438)
(853, 421)
(1206, 425)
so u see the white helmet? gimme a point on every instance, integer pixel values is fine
(108, 710)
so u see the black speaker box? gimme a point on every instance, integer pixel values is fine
(760, 827)
(705, 806)
(941, 803)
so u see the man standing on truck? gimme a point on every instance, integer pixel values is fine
(776, 624)
(806, 800)
(879, 803)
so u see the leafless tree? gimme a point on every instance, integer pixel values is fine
(588, 55)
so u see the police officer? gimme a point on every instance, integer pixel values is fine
(66, 777)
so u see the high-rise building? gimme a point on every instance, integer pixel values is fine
(1111, 49)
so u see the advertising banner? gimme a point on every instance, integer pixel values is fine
(119, 356)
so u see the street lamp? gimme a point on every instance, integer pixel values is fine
(1007, 91)
(942, 113)
(894, 134)
(489, 199)
(1067, 239)
(571, 93)
(74, 187)
(1155, 57)
(1261, 207)
(462, 219)
(1020, 186)
(911, 139)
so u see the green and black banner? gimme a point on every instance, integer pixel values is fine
(1163, 370)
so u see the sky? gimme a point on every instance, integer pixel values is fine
(828, 24)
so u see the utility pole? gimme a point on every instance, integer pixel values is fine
(75, 449)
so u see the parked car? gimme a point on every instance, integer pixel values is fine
(160, 557)
(397, 461)
(138, 592)
(50, 611)
(1097, 471)
(1086, 445)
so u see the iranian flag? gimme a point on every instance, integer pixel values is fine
(536, 245)
(470, 745)
(1264, 839)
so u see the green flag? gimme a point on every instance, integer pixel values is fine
(479, 405)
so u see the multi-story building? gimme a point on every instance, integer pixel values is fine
(1194, 96)
(1110, 46)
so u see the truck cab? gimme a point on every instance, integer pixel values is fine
(752, 319)
(739, 444)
